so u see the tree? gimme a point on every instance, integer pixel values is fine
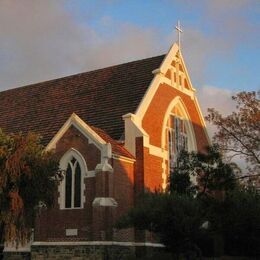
(237, 219)
(239, 133)
(208, 170)
(177, 216)
(174, 218)
(28, 180)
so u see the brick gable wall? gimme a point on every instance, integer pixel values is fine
(90, 221)
(153, 125)
(153, 119)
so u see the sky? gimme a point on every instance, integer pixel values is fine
(47, 39)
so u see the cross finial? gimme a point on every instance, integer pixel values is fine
(179, 31)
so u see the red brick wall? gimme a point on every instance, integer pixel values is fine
(153, 118)
(139, 166)
(127, 180)
(152, 171)
(123, 193)
(52, 223)
(148, 169)
(153, 124)
(74, 139)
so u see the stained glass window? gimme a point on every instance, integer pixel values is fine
(177, 139)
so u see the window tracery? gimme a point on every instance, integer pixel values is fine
(72, 187)
(177, 137)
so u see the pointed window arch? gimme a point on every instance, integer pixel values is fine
(72, 187)
(178, 137)
(178, 133)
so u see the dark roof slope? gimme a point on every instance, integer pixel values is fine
(117, 148)
(99, 97)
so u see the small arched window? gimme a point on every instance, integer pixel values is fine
(72, 188)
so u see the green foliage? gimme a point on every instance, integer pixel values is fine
(178, 217)
(28, 178)
(213, 173)
(237, 218)
(238, 133)
(180, 179)
(207, 169)
(176, 220)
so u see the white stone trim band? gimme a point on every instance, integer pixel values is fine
(95, 243)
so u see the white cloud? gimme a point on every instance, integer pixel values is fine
(213, 97)
(127, 43)
(220, 99)
(40, 40)
(197, 50)
(227, 25)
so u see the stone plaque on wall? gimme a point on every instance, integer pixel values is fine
(71, 232)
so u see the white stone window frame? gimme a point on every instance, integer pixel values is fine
(192, 145)
(66, 158)
(178, 103)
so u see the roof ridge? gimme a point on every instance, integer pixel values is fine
(78, 74)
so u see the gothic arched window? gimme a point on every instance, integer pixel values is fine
(177, 136)
(72, 187)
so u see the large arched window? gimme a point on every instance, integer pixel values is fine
(72, 186)
(178, 138)
(178, 134)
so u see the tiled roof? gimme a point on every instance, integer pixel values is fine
(98, 97)
(117, 148)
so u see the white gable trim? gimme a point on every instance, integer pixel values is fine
(169, 58)
(160, 78)
(202, 119)
(159, 74)
(86, 130)
(186, 72)
(80, 125)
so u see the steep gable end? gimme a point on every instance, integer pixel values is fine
(172, 72)
(171, 82)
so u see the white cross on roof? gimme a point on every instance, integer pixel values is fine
(179, 31)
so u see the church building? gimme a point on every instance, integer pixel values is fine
(117, 132)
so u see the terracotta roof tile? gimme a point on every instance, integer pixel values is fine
(117, 147)
(99, 97)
